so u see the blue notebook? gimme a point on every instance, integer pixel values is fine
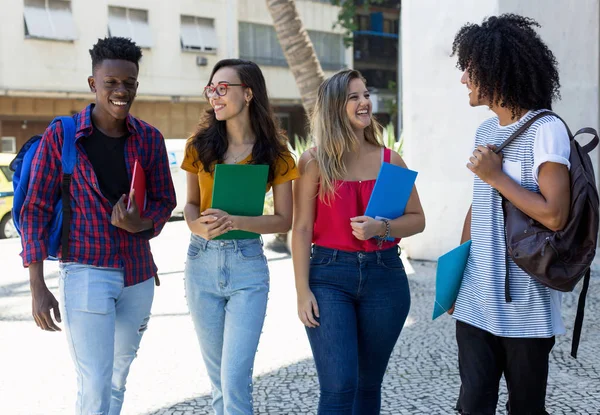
(391, 192)
(449, 275)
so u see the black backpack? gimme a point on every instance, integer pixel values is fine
(559, 260)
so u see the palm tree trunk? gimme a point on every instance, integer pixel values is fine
(298, 49)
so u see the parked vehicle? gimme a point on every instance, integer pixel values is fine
(7, 227)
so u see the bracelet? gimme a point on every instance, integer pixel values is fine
(386, 234)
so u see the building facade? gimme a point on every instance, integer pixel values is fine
(45, 61)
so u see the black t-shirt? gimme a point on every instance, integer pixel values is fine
(107, 155)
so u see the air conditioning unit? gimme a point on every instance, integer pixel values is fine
(201, 61)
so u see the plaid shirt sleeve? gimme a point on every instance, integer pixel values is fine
(42, 194)
(160, 192)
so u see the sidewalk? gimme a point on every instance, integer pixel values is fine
(169, 378)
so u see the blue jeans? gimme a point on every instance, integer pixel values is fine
(104, 323)
(227, 285)
(363, 301)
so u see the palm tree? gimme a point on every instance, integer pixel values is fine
(298, 50)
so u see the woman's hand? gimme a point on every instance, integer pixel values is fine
(209, 226)
(308, 309)
(218, 213)
(365, 227)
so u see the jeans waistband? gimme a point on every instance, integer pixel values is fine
(359, 256)
(233, 244)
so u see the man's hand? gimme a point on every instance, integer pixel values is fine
(365, 227)
(42, 302)
(486, 164)
(128, 219)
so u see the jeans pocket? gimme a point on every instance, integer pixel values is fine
(394, 263)
(249, 252)
(194, 251)
(92, 290)
(320, 260)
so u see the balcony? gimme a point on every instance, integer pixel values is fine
(375, 49)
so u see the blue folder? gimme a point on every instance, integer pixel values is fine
(391, 192)
(449, 275)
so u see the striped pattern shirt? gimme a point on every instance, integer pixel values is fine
(93, 240)
(481, 299)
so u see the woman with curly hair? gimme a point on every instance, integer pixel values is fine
(505, 320)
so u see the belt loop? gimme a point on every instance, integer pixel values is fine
(204, 244)
(378, 254)
(335, 252)
(262, 242)
(235, 245)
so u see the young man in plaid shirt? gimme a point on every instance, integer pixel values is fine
(107, 280)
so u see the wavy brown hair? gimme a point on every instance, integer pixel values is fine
(210, 139)
(332, 131)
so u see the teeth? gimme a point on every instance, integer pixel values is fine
(119, 103)
(218, 107)
(362, 112)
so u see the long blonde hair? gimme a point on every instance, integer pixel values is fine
(332, 132)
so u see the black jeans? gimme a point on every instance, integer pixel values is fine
(483, 358)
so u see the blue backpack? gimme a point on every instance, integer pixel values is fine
(61, 216)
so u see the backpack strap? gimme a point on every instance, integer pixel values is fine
(68, 159)
(580, 313)
(525, 127)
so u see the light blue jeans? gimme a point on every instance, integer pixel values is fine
(227, 285)
(104, 323)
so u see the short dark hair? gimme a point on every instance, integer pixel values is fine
(508, 62)
(115, 48)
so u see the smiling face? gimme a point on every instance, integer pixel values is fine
(234, 97)
(115, 84)
(473, 89)
(358, 105)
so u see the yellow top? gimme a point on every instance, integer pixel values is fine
(285, 170)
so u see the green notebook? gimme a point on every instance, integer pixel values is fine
(239, 189)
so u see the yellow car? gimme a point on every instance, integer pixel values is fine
(7, 227)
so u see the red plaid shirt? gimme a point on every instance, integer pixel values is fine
(93, 239)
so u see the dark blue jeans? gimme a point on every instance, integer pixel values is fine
(363, 302)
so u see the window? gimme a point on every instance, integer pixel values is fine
(329, 48)
(7, 173)
(131, 23)
(259, 44)
(9, 145)
(49, 19)
(198, 33)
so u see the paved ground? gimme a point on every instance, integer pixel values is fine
(36, 375)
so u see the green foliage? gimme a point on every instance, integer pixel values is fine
(301, 144)
(347, 14)
(389, 139)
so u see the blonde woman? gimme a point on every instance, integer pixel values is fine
(353, 294)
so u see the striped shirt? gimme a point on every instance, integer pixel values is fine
(93, 240)
(535, 309)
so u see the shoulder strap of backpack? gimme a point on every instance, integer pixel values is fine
(68, 159)
(580, 313)
(525, 127)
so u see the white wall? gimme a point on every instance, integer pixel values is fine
(439, 124)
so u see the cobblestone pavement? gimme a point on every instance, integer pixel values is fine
(422, 376)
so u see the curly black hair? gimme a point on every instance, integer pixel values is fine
(509, 63)
(115, 48)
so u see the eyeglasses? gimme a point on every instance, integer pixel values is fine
(220, 89)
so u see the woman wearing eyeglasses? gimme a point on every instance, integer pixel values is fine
(227, 281)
